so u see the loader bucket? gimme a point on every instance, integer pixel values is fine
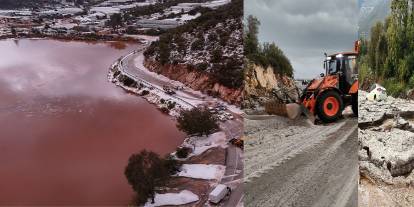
(290, 110)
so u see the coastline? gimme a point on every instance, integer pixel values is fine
(208, 151)
(97, 38)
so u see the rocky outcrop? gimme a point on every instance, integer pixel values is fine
(197, 80)
(262, 84)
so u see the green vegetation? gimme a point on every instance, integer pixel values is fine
(388, 57)
(183, 152)
(146, 172)
(204, 39)
(115, 21)
(197, 122)
(266, 54)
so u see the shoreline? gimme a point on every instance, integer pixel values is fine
(96, 38)
(151, 96)
(209, 150)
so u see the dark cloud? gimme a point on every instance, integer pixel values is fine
(305, 29)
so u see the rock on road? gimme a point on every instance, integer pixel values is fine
(293, 163)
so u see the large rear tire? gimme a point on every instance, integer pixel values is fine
(355, 104)
(329, 106)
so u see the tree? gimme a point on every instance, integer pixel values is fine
(197, 121)
(389, 52)
(115, 20)
(13, 31)
(277, 59)
(164, 49)
(79, 2)
(267, 54)
(146, 171)
(216, 55)
(251, 40)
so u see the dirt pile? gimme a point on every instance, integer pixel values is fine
(262, 84)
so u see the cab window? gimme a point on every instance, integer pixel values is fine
(333, 66)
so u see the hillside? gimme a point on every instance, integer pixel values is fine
(263, 85)
(387, 57)
(268, 72)
(210, 45)
(371, 12)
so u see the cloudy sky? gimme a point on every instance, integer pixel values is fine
(305, 29)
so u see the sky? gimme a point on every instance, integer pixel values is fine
(306, 29)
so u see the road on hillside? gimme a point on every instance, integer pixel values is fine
(233, 175)
(133, 65)
(293, 163)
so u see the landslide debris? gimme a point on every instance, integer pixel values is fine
(262, 85)
(386, 147)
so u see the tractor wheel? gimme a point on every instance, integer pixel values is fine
(329, 106)
(355, 104)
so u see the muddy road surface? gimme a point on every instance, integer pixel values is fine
(295, 163)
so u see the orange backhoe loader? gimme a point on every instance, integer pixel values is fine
(337, 88)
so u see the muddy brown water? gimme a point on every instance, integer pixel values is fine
(66, 132)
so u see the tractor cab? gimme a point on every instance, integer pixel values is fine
(336, 89)
(342, 65)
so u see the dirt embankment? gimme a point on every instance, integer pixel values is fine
(197, 80)
(262, 85)
(386, 150)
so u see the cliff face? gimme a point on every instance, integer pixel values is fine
(262, 84)
(197, 80)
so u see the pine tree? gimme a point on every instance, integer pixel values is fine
(251, 40)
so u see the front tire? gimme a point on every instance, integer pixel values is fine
(329, 106)
(355, 104)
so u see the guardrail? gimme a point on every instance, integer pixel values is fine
(146, 83)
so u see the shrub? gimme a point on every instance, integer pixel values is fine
(146, 171)
(216, 55)
(165, 110)
(127, 81)
(183, 152)
(197, 122)
(198, 44)
(394, 87)
(144, 93)
(171, 105)
(202, 66)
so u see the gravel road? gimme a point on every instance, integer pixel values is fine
(294, 163)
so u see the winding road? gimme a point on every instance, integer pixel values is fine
(132, 66)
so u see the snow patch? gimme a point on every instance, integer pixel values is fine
(202, 171)
(181, 198)
(204, 143)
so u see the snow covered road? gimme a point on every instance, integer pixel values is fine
(292, 163)
(132, 66)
